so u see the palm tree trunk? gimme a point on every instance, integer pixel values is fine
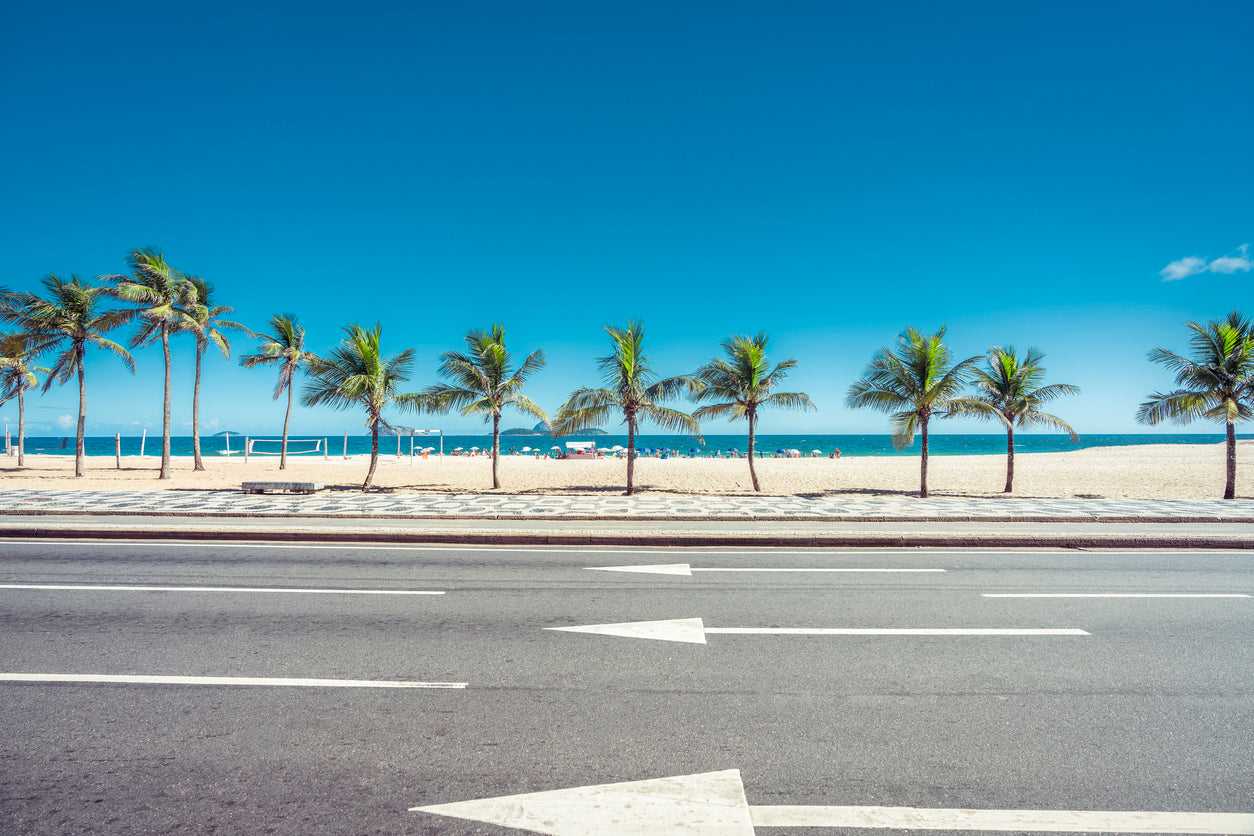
(1230, 486)
(1010, 459)
(287, 416)
(496, 447)
(923, 465)
(753, 474)
(165, 407)
(21, 428)
(79, 470)
(631, 452)
(374, 454)
(197, 463)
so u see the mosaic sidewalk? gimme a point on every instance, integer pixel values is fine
(611, 507)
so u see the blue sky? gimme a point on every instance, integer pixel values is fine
(1071, 176)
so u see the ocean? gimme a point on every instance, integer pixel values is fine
(849, 445)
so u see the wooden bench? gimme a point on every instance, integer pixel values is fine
(292, 487)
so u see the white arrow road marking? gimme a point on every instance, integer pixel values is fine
(1109, 595)
(711, 804)
(694, 631)
(686, 570)
(222, 680)
(101, 588)
(714, 804)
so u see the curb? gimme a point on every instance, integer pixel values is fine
(710, 518)
(876, 540)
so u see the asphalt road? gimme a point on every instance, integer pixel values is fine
(1152, 710)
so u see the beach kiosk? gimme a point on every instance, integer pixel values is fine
(581, 450)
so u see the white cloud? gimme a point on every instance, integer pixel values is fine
(65, 421)
(1191, 266)
(1183, 268)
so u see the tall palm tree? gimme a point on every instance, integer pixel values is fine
(68, 317)
(632, 387)
(17, 352)
(484, 382)
(1009, 390)
(160, 291)
(357, 374)
(284, 347)
(913, 384)
(1216, 384)
(743, 382)
(203, 319)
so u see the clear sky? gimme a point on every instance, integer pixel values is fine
(1075, 176)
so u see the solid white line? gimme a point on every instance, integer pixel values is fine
(746, 551)
(1056, 821)
(94, 588)
(223, 680)
(1109, 595)
(892, 631)
(695, 569)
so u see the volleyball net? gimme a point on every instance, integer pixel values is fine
(295, 446)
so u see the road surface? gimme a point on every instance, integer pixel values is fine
(197, 688)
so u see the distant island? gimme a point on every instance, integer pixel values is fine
(542, 429)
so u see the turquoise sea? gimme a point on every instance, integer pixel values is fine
(766, 445)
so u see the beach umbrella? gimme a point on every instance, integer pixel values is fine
(526, 449)
(617, 447)
(474, 448)
(816, 452)
(555, 447)
(456, 449)
(780, 450)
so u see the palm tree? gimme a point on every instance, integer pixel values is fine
(357, 374)
(912, 384)
(16, 376)
(484, 382)
(284, 347)
(743, 382)
(160, 291)
(1010, 391)
(632, 387)
(203, 320)
(1217, 383)
(69, 318)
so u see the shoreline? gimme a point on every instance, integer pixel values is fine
(1145, 471)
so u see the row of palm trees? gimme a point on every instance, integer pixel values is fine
(914, 381)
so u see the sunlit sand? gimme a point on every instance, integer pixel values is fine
(1161, 471)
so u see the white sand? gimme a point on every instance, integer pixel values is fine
(1158, 471)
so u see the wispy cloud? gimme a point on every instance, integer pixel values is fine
(1191, 266)
(65, 421)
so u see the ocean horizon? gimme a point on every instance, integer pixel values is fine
(940, 444)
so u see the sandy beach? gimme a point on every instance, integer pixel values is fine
(1159, 471)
